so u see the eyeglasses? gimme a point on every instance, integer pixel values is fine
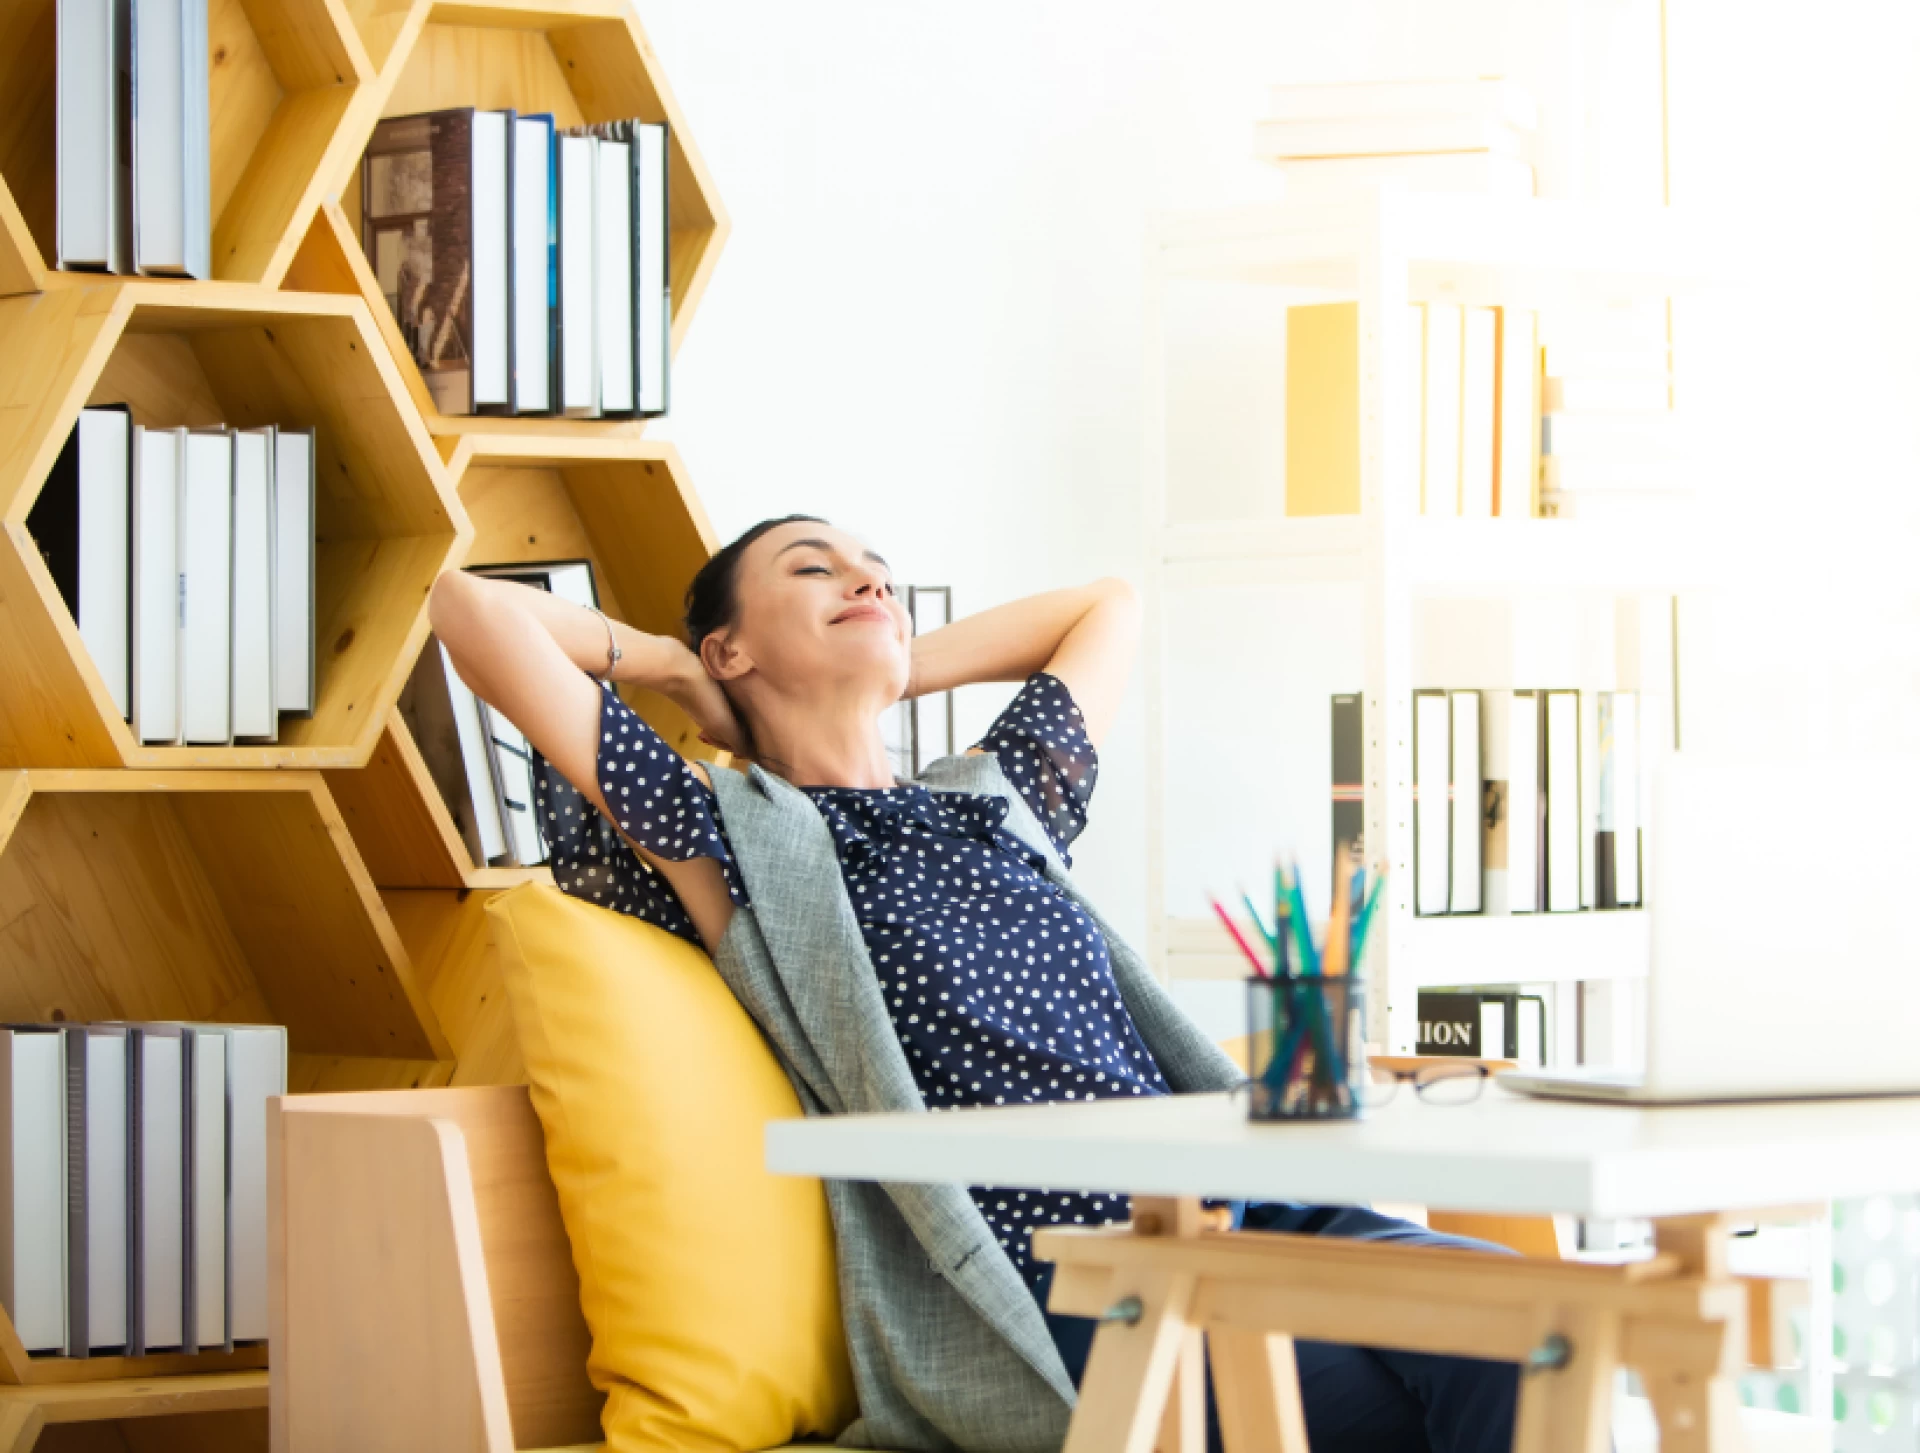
(1459, 1084)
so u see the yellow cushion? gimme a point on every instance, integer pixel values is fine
(707, 1283)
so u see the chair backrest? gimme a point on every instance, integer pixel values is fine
(361, 1194)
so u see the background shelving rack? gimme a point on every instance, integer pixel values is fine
(1383, 248)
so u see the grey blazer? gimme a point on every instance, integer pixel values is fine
(948, 1349)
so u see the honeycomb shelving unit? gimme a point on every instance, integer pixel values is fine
(317, 881)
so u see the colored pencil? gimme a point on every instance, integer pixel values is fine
(1239, 939)
(1258, 922)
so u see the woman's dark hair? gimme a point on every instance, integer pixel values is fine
(713, 600)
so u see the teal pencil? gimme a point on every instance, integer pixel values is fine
(1302, 930)
(1366, 918)
(1273, 945)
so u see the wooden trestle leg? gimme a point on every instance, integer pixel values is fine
(1176, 1276)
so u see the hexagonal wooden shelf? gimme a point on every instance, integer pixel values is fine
(581, 61)
(229, 896)
(388, 518)
(288, 101)
(625, 505)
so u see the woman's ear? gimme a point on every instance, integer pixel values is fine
(724, 661)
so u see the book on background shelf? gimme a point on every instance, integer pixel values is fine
(930, 607)
(33, 1244)
(1525, 794)
(256, 1071)
(1564, 826)
(578, 351)
(170, 138)
(158, 455)
(443, 715)
(206, 588)
(156, 1167)
(294, 525)
(93, 185)
(652, 281)
(1349, 778)
(97, 1165)
(532, 252)
(613, 275)
(1389, 136)
(512, 761)
(1517, 428)
(1440, 420)
(82, 522)
(1479, 411)
(1492, 98)
(1464, 803)
(1483, 1024)
(569, 579)
(255, 718)
(204, 1193)
(1432, 822)
(1616, 837)
(433, 206)
(1323, 409)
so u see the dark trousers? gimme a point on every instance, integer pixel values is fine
(1361, 1399)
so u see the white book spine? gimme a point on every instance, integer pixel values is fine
(1478, 388)
(614, 264)
(254, 717)
(1440, 468)
(1626, 798)
(161, 1190)
(1519, 412)
(36, 1275)
(159, 133)
(293, 573)
(91, 51)
(258, 1071)
(1432, 766)
(491, 311)
(1464, 879)
(654, 304)
(1590, 798)
(579, 352)
(1563, 801)
(106, 437)
(106, 1111)
(156, 584)
(1523, 803)
(207, 1231)
(206, 575)
(532, 323)
(474, 756)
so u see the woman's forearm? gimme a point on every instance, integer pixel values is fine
(463, 604)
(1012, 641)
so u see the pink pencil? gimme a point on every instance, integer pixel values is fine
(1234, 929)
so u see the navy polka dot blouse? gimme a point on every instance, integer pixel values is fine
(998, 984)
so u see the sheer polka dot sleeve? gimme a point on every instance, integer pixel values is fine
(658, 801)
(1041, 741)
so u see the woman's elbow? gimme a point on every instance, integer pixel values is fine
(450, 604)
(1120, 592)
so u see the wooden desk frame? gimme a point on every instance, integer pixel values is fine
(1169, 1286)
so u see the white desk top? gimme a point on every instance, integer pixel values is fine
(1503, 1153)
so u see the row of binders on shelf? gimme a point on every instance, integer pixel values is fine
(1534, 795)
(135, 1190)
(186, 557)
(480, 761)
(1523, 801)
(1464, 135)
(1483, 1024)
(525, 265)
(131, 136)
(1473, 397)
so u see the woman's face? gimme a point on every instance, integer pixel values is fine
(817, 607)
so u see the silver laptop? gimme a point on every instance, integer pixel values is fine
(1785, 917)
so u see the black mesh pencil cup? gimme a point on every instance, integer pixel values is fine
(1306, 1047)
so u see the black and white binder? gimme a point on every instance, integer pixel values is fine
(82, 523)
(206, 589)
(577, 346)
(444, 719)
(292, 571)
(1526, 803)
(97, 1164)
(1464, 886)
(1564, 818)
(492, 263)
(33, 1209)
(512, 760)
(255, 718)
(532, 264)
(478, 763)
(92, 188)
(614, 268)
(1432, 820)
(1349, 778)
(569, 579)
(172, 221)
(156, 1141)
(157, 459)
(653, 294)
(1625, 799)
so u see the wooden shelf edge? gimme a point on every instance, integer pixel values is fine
(31, 1377)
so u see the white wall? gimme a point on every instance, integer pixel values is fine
(926, 325)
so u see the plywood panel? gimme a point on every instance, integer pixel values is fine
(449, 936)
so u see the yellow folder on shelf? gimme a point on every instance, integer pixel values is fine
(1323, 409)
